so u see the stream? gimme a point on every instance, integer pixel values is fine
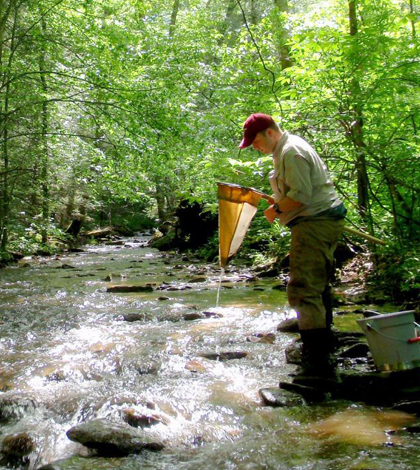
(71, 351)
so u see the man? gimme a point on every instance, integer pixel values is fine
(308, 204)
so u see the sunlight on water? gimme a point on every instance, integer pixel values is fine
(70, 354)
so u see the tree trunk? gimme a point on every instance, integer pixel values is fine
(6, 9)
(175, 9)
(356, 113)
(254, 14)
(282, 47)
(45, 191)
(413, 23)
(228, 23)
(5, 203)
(160, 202)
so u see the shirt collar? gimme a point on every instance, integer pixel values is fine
(280, 144)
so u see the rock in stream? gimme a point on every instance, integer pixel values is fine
(112, 438)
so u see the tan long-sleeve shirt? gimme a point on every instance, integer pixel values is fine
(300, 174)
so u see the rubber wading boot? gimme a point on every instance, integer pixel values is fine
(328, 300)
(317, 352)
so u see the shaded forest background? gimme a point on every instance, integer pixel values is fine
(114, 111)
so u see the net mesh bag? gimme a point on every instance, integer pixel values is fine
(237, 207)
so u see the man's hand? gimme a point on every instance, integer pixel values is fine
(271, 213)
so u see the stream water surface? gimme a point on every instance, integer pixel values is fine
(69, 355)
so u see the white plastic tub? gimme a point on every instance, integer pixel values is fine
(392, 340)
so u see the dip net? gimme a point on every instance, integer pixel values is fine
(237, 207)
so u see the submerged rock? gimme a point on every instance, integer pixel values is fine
(111, 438)
(364, 428)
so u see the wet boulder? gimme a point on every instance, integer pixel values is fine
(224, 356)
(163, 239)
(356, 350)
(288, 326)
(191, 316)
(15, 405)
(276, 397)
(133, 317)
(267, 338)
(113, 438)
(293, 353)
(412, 407)
(129, 288)
(329, 385)
(15, 450)
(141, 420)
(209, 314)
(310, 394)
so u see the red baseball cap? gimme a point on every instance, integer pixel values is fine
(255, 123)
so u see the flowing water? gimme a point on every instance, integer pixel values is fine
(68, 355)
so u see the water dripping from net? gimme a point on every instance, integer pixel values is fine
(222, 272)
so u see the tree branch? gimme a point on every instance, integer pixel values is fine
(273, 76)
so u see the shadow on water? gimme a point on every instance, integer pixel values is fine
(72, 351)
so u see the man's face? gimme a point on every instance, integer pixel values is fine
(264, 142)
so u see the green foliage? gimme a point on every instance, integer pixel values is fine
(210, 251)
(398, 272)
(265, 242)
(109, 113)
(28, 241)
